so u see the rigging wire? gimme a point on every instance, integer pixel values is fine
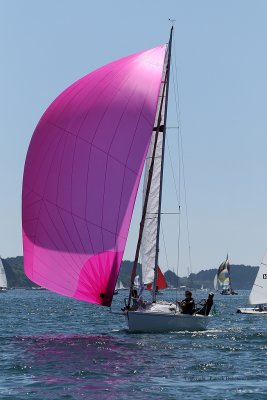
(181, 166)
(164, 245)
(177, 192)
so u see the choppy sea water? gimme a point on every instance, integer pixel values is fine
(52, 347)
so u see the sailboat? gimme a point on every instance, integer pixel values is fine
(203, 289)
(3, 280)
(222, 280)
(258, 293)
(81, 177)
(120, 286)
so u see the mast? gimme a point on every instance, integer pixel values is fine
(158, 129)
(162, 162)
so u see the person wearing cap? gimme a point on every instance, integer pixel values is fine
(187, 306)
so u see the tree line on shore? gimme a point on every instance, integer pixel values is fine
(242, 276)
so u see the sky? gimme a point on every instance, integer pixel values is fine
(220, 51)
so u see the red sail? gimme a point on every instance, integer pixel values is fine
(161, 281)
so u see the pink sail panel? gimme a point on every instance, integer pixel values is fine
(82, 173)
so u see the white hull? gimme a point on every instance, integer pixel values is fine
(251, 310)
(3, 281)
(146, 321)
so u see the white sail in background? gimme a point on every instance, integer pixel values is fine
(149, 239)
(258, 294)
(119, 285)
(3, 281)
(137, 282)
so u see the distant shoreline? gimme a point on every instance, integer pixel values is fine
(242, 276)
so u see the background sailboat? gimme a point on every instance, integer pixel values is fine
(120, 286)
(222, 280)
(3, 280)
(203, 289)
(258, 294)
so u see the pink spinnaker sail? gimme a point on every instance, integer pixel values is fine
(82, 173)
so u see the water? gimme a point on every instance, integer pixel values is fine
(52, 347)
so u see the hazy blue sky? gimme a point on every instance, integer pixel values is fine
(220, 48)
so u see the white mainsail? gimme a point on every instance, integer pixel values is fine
(3, 280)
(148, 249)
(258, 294)
(149, 238)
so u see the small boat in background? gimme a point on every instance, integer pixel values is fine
(258, 294)
(203, 289)
(119, 286)
(222, 280)
(3, 280)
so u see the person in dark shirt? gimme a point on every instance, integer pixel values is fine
(205, 310)
(187, 306)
